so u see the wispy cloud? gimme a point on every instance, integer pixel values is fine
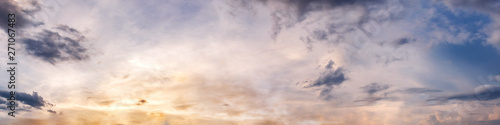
(482, 93)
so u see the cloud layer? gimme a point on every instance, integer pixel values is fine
(257, 62)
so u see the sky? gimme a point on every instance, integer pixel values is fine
(254, 62)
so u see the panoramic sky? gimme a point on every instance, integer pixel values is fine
(253, 62)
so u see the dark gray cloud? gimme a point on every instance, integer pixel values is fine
(303, 7)
(33, 100)
(487, 122)
(482, 93)
(325, 93)
(52, 111)
(329, 78)
(418, 90)
(371, 89)
(374, 88)
(320, 35)
(412, 91)
(403, 41)
(3, 101)
(10, 6)
(387, 96)
(53, 47)
(327, 81)
(286, 13)
(329, 65)
(68, 29)
(370, 100)
(64, 44)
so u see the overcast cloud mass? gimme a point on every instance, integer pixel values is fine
(254, 62)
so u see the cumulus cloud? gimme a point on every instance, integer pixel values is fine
(430, 120)
(446, 118)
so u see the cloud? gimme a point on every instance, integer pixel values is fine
(64, 44)
(414, 91)
(375, 87)
(394, 95)
(490, 6)
(52, 111)
(149, 88)
(327, 80)
(11, 6)
(287, 13)
(403, 41)
(481, 93)
(33, 100)
(329, 65)
(419, 90)
(47, 45)
(370, 100)
(68, 29)
(302, 7)
(3, 101)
